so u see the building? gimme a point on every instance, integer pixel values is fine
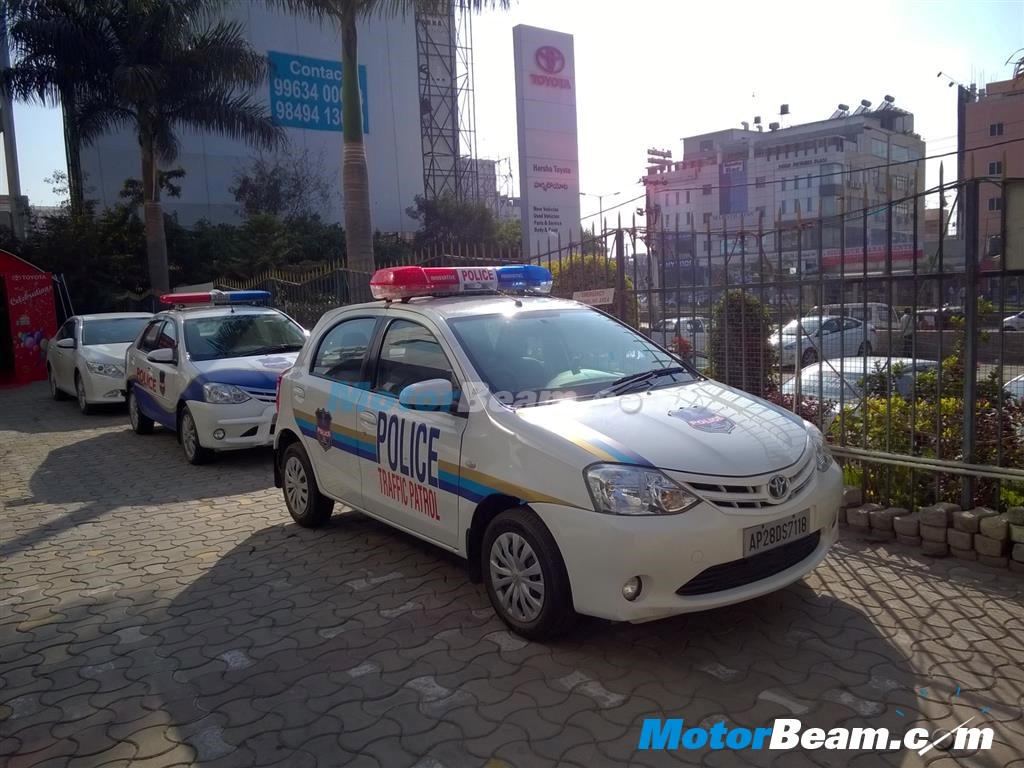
(510, 208)
(411, 90)
(730, 180)
(479, 181)
(993, 115)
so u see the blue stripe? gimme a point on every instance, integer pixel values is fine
(620, 452)
(358, 448)
(151, 408)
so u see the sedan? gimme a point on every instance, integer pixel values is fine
(694, 330)
(1014, 322)
(86, 357)
(812, 339)
(1015, 388)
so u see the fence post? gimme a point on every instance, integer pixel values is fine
(971, 196)
(620, 274)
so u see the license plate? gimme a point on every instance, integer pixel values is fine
(761, 538)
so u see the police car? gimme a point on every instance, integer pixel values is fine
(208, 368)
(577, 466)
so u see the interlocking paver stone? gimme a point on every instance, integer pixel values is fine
(164, 614)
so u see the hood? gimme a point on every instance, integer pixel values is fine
(106, 353)
(701, 428)
(260, 372)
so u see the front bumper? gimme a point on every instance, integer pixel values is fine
(102, 389)
(245, 425)
(601, 552)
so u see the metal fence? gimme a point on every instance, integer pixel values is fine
(893, 339)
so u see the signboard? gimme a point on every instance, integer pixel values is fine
(598, 297)
(306, 92)
(548, 153)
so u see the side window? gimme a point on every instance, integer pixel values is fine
(168, 338)
(342, 350)
(151, 335)
(410, 353)
(829, 326)
(849, 322)
(67, 331)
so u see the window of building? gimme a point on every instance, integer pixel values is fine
(707, 218)
(879, 149)
(760, 211)
(810, 180)
(707, 145)
(687, 197)
(853, 179)
(901, 183)
(706, 189)
(995, 203)
(796, 182)
(666, 199)
(677, 220)
(759, 182)
(995, 129)
(995, 168)
(689, 218)
(784, 183)
(782, 208)
(810, 205)
(900, 154)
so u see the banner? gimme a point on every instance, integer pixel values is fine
(306, 92)
(32, 322)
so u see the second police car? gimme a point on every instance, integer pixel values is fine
(578, 466)
(208, 368)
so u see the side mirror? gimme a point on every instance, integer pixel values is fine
(164, 355)
(429, 395)
(66, 344)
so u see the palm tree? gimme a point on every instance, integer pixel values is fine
(166, 65)
(345, 14)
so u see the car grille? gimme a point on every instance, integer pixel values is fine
(738, 573)
(263, 395)
(732, 495)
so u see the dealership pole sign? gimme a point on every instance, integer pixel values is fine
(549, 183)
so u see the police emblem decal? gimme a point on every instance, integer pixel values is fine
(704, 419)
(323, 428)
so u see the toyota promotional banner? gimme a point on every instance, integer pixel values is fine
(548, 154)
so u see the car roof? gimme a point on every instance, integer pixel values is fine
(465, 306)
(207, 310)
(857, 364)
(115, 316)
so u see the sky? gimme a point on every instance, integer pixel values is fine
(652, 71)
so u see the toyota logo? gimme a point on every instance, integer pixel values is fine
(549, 59)
(778, 487)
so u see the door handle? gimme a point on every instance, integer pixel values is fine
(298, 393)
(368, 418)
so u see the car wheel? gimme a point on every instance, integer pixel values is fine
(141, 423)
(525, 576)
(194, 451)
(809, 358)
(865, 348)
(307, 506)
(83, 403)
(55, 392)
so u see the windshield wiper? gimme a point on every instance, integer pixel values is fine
(274, 349)
(623, 385)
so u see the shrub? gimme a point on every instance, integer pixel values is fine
(739, 350)
(585, 273)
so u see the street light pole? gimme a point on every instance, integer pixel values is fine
(600, 204)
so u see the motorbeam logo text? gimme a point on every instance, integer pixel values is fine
(789, 733)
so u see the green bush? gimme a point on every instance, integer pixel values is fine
(739, 351)
(586, 273)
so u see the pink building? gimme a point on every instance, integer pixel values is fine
(994, 116)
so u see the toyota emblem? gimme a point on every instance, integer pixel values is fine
(778, 487)
(549, 59)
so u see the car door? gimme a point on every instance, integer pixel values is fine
(64, 363)
(140, 372)
(326, 406)
(417, 451)
(854, 334)
(167, 377)
(829, 338)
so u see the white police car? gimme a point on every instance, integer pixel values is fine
(578, 466)
(209, 372)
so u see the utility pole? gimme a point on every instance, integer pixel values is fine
(18, 214)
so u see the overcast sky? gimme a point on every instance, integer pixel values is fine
(657, 70)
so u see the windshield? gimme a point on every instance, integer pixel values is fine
(215, 338)
(535, 357)
(122, 330)
(810, 325)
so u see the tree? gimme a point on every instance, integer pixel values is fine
(155, 67)
(355, 179)
(289, 185)
(447, 219)
(579, 272)
(739, 350)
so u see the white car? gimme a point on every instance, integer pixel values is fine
(576, 465)
(209, 373)
(1014, 322)
(86, 357)
(803, 342)
(693, 329)
(1015, 388)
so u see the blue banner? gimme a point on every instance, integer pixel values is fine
(306, 92)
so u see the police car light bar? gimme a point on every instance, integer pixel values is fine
(215, 297)
(405, 282)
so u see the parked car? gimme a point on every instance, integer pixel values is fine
(1015, 388)
(1014, 322)
(86, 357)
(842, 382)
(938, 319)
(805, 341)
(877, 314)
(693, 329)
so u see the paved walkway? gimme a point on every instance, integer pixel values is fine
(157, 614)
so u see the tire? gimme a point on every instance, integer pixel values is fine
(195, 453)
(141, 423)
(864, 349)
(809, 357)
(83, 404)
(517, 542)
(56, 393)
(307, 506)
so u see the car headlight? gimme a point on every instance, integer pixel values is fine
(822, 454)
(622, 489)
(224, 393)
(105, 369)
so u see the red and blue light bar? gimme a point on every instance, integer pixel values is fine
(215, 297)
(406, 282)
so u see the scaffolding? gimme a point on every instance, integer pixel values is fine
(444, 48)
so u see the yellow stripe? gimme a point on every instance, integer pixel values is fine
(511, 489)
